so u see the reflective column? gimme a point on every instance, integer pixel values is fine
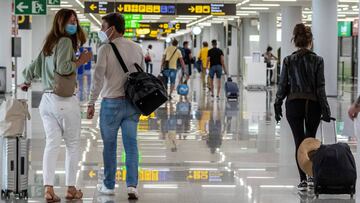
(290, 17)
(267, 31)
(326, 40)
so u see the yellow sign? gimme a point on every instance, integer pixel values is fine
(145, 8)
(93, 7)
(92, 174)
(198, 175)
(144, 175)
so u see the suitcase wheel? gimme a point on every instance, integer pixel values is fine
(317, 196)
(351, 196)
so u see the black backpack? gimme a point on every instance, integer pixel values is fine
(334, 169)
(144, 90)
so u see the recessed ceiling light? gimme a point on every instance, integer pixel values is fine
(281, 0)
(254, 8)
(270, 5)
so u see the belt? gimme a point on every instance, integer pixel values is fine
(121, 97)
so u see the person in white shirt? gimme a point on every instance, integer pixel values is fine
(116, 110)
(149, 58)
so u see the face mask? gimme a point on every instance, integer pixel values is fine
(71, 29)
(103, 36)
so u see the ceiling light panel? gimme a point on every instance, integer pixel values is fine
(264, 5)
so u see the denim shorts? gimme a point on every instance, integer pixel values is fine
(171, 74)
(217, 69)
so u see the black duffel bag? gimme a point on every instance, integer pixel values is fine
(144, 90)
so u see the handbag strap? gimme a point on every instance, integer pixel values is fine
(173, 54)
(121, 60)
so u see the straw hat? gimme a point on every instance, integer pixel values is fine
(308, 146)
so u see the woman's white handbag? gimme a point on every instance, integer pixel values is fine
(13, 115)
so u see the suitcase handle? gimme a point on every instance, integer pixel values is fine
(332, 120)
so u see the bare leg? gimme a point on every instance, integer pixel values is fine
(219, 87)
(172, 88)
(212, 86)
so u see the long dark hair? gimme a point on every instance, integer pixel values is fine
(58, 31)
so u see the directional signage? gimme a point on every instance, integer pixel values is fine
(102, 7)
(206, 9)
(216, 9)
(145, 8)
(24, 22)
(30, 7)
(132, 24)
(54, 2)
(86, 27)
(133, 17)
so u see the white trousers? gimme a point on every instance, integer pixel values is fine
(62, 120)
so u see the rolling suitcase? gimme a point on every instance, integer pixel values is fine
(334, 168)
(15, 167)
(231, 90)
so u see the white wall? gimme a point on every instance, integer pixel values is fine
(158, 48)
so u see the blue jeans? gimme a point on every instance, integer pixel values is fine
(116, 113)
(215, 70)
(171, 74)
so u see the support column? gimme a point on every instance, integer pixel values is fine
(326, 40)
(26, 50)
(267, 31)
(5, 41)
(291, 16)
(358, 64)
(287, 164)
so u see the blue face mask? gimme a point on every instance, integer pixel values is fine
(71, 29)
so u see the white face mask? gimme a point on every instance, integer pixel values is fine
(103, 36)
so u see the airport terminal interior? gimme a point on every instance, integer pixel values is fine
(198, 147)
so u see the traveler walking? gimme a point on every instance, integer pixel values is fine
(268, 57)
(203, 56)
(169, 64)
(187, 59)
(302, 83)
(149, 57)
(116, 110)
(217, 66)
(60, 115)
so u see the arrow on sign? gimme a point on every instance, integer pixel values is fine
(120, 8)
(192, 9)
(21, 7)
(92, 174)
(93, 7)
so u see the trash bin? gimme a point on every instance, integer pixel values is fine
(2, 80)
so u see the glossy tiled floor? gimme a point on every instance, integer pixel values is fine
(199, 150)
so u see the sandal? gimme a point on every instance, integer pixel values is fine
(73, 193)
(50, 195)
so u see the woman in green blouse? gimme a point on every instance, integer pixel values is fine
(60, 115)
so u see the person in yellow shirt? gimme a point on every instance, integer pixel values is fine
(203, 56)
(169, 64)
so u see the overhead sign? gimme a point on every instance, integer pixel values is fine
(132, 24)
(54, 2)
(175, 26)
(86, 27)
(216, 9)
(27, 7)
(99, 7)
(206, 9)
(24, 22)
(133, 17)
(145, 8)
(344, 29)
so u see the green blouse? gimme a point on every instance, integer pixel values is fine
(63, 58)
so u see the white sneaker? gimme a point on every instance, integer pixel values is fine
(132, 193)
(105, 191)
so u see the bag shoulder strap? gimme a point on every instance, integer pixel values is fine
(173, 54)
(120, 59)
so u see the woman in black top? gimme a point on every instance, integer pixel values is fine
(302, 83)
